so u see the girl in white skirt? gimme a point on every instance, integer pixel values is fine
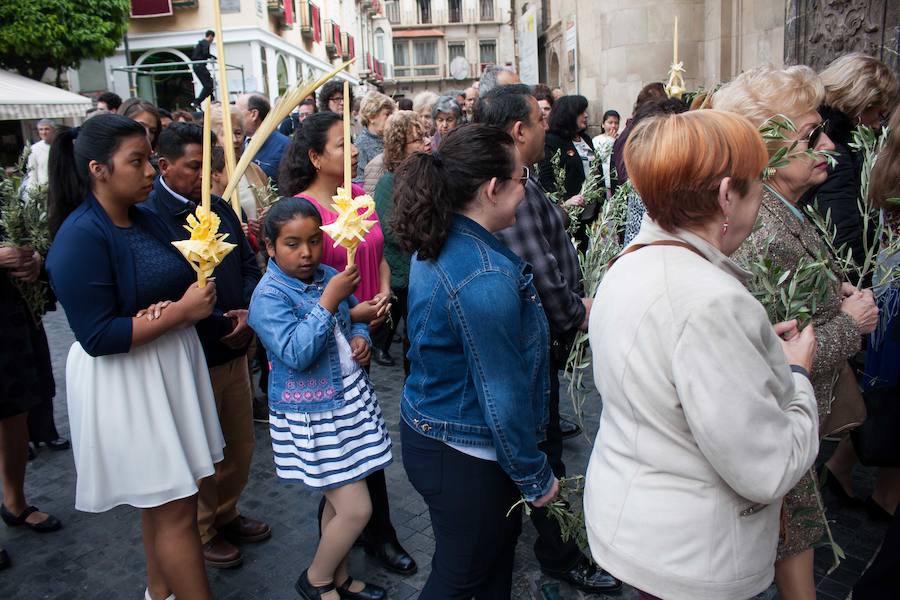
(141, 407)
(326, 426)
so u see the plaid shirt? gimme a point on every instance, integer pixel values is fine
(539, 237)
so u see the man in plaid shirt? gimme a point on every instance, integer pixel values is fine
(540, 238)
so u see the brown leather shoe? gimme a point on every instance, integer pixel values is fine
(244, 530)
(221, 554)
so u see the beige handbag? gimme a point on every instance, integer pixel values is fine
(847, 410)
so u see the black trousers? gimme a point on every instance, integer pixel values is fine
(206, 80)
(551, 551)
(468, 499)
(384, 336)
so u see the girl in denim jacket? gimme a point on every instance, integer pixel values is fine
(326, 426)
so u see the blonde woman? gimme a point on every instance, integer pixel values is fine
(423, 105)
(374, 110)
(845, 315)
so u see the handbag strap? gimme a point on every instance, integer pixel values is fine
(636, 247)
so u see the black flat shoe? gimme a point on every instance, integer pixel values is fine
(587, 577)
(31, 451)
(310, 591)
(393, 557)
(59, 444)
(369, 592)
(48, 525)
(5, 563)
(876, 511)
(828, 481)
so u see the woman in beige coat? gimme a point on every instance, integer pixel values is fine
(847, 313)
(709, 416)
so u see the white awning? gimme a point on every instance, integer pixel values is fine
(24, 98)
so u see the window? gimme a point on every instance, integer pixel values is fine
(416, 58)
(401, 58)
(488, 53)
(487, 10)
(424, 11)
(455, 49)
(425, 55)
(455, 7)
(392, 8)
(379, 43)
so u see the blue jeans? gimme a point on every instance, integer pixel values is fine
(467, 499)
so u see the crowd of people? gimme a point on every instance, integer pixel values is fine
(701, 481)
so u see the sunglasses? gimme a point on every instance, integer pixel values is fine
(813, 138)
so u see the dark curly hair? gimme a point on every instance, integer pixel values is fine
(333, 87)
(296, 171)
(564, 116)
(428, 189)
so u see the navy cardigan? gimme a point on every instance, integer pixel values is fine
(91, 270)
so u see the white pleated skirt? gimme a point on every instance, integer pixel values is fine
(144, 425)
(332, 448)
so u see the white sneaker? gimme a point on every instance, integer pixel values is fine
(148, 597)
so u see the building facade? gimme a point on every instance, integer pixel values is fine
(607, 50)
(443, 45)
(270, 45)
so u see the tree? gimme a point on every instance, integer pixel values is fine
(39, 34)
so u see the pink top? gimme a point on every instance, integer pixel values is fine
(368, 254)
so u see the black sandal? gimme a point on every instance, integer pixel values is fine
(369, 592)
(4, 560)
(310, 591)
(48, 525)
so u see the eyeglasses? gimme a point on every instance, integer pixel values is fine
(813, 138)
(523, 180)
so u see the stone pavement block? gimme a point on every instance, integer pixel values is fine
(96, 557)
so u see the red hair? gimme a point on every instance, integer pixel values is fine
(677, 161)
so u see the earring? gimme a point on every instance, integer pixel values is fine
(724, 228)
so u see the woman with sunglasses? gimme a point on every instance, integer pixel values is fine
(475, 403)
(840, 320)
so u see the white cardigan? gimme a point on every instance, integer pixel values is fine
(704, 426)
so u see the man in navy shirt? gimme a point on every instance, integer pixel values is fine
(254, 109)
(225, 337)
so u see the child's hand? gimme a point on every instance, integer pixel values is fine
(339, 288)
(362, 351)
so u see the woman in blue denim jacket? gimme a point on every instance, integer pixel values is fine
(474, 405)
(326, 426)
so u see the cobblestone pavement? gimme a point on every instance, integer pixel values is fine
(99, 556)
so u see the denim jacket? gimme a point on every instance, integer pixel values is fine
(479, 354)
(298, 334)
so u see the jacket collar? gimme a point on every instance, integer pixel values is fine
(165, 201)
(275, 272)
(651, 232)
(467, 226)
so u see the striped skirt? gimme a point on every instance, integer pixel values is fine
(332, 448)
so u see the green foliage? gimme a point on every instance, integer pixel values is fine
(603, 246)
(41, 34)
(558, 195)
(23, 224)
(265, 196)
(567, 510)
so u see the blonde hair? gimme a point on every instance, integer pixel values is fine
(677, 162)
(215, 121)
(372, 104)
(762, 93)
(396, 132)
(856, 81)
(424, 102)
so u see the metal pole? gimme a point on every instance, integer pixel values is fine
(132, 90)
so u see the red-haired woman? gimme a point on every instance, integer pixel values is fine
(682, 499)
